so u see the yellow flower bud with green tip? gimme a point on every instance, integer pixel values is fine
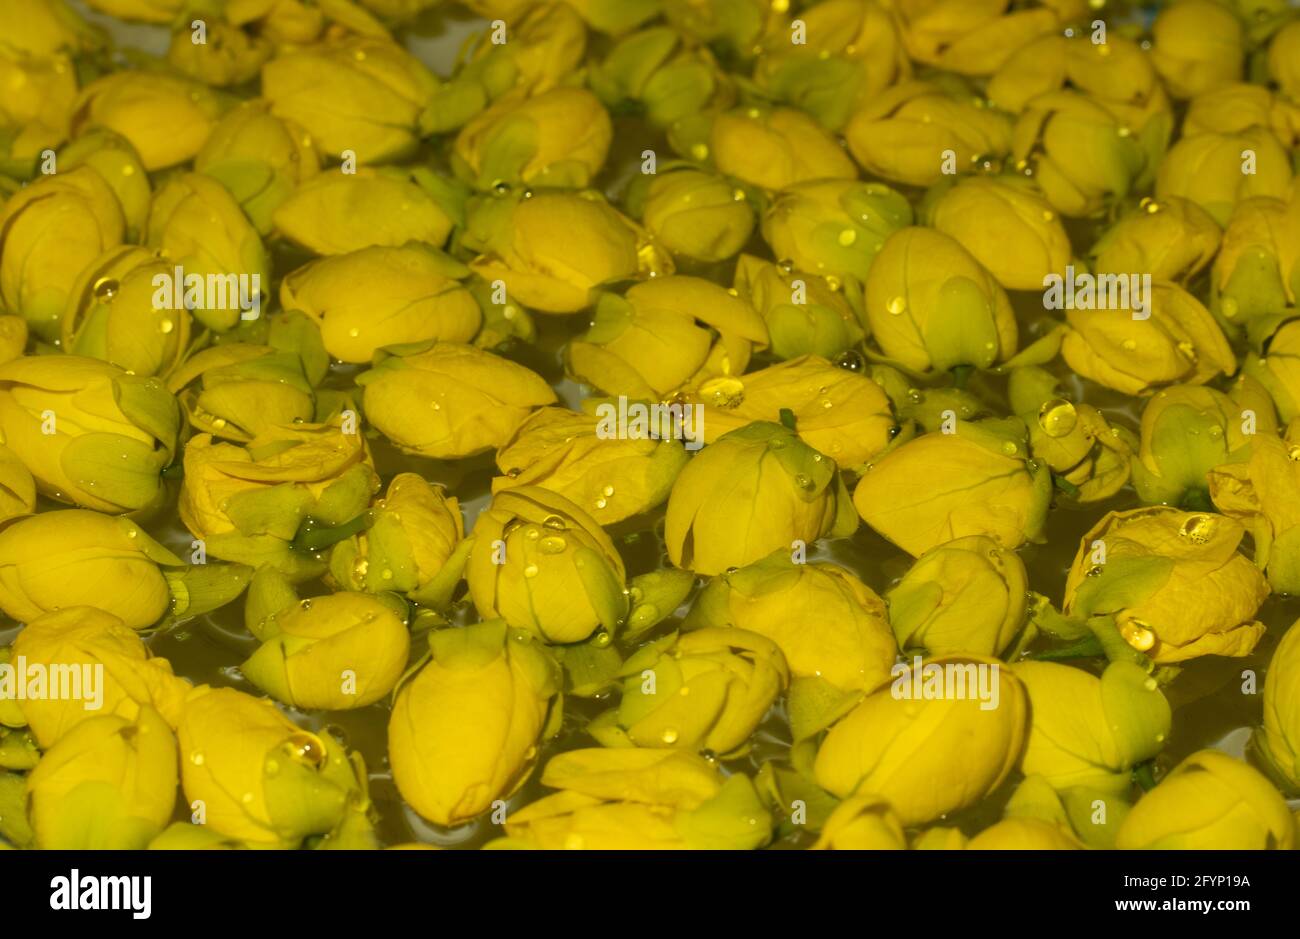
(611, 477)
(450, 401)
(1210, 801)
(1219, 170)
(775, 149)
(1256, 276)
(968, 595)
(557, 138)
(236, 390)
(1177, 341)
(544, 565)
(696, 214)
(1117, 72)
(1231, 109)
(547, 44)
(1279, 370)
(383, 296)
(929, 754)
(634, 799)
(1188, 430)
(336, 652)
(1089, 731)
(1198, 45)
(754, 490)
(196, 224)
(230, 56)
(734, 25)
(862, 823)
(552, 249)
(1008, 227)
(35, 113)
(87, 640)
(359, 94)
(840, 413)
(805, 314)
(652, 68)
(49, 231)
(111, 314)
(465, 729)
(17, 487)
(260, 158)
(113, 157)
(109, 783)
(1260, 487)
(1175, 583)
(90, 433)
(834, 227)
(411, 546)
(931, 305)
(903, 134)
(1172, 240)
(703, 690)
(258, 777)
(248, 503)
(977, 480)
(335, 213)
(46, 28)
(965, 37)
(166, 118)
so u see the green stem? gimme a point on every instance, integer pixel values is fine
(1144, 775)
(961, 376)
(787, 418)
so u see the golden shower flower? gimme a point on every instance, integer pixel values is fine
(862, 823)
(1280, 735)
(449, 401)
(676, 84)
(336, 213)
(972, 37)
(36, 111)
(336, 652)
(840, 413)
(236, 390)
(834, 227)
(931, 305)
(651, 341)
(90, 433)
(112, 314)
(1008, 227)
(1219, 170)
(696, 214)
(928, 754)
(227, 56)
(611, 476)
(1088, 731)
(49, 231)
(166, 118)
(1023, 834)
(1174, 582)
(261, 159)
(547, 44)
(1172, 240)
(1198, 45)
(551, 249)
(832, 629)
(545, 566)
(977, 480)
(635, 799)
(67, 558)
(1231, 109)
(383, 296)
(968, 595)
(464, 731)
(703, 690)
(556, 138)
(904, 134)
(360, 94)
(1256, 275)
(1284, 59)
(46, 27)
(1260, 487)
(774, 149)
(754, 490)
(1117, 73)
(1210, 801)
(614, 17)
(17, 487)
(247, 503)
(299, 22)
(1177, 341)
(112, 156)
(109, 783)
(259, 778)
(805, 314)
(1279, 370)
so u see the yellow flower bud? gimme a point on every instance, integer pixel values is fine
(87, 639)
(17, 487)
(978, 480)
(1219, 170)
(90, 433)
(66, 558)
(465, 730)
(776, 149)
(228, 56)
(236, 391)
(1279, 370)
(1172, 240)
(1209, 801)
(1260, 488)
(547, 43)
(109, 783)
(1117, 72)
(450, 401)
(166, 119)
(973, 37)
(1280, 736)
(1256, 277)
(112, 156)
(40, 94)
(1023, 834)
(928, 754)
(1174, 581)
(1284, 59)
(923, 284)
(697, 214)
(1198, 45)
(46, 28)
(1231, 109)
(862, 823)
